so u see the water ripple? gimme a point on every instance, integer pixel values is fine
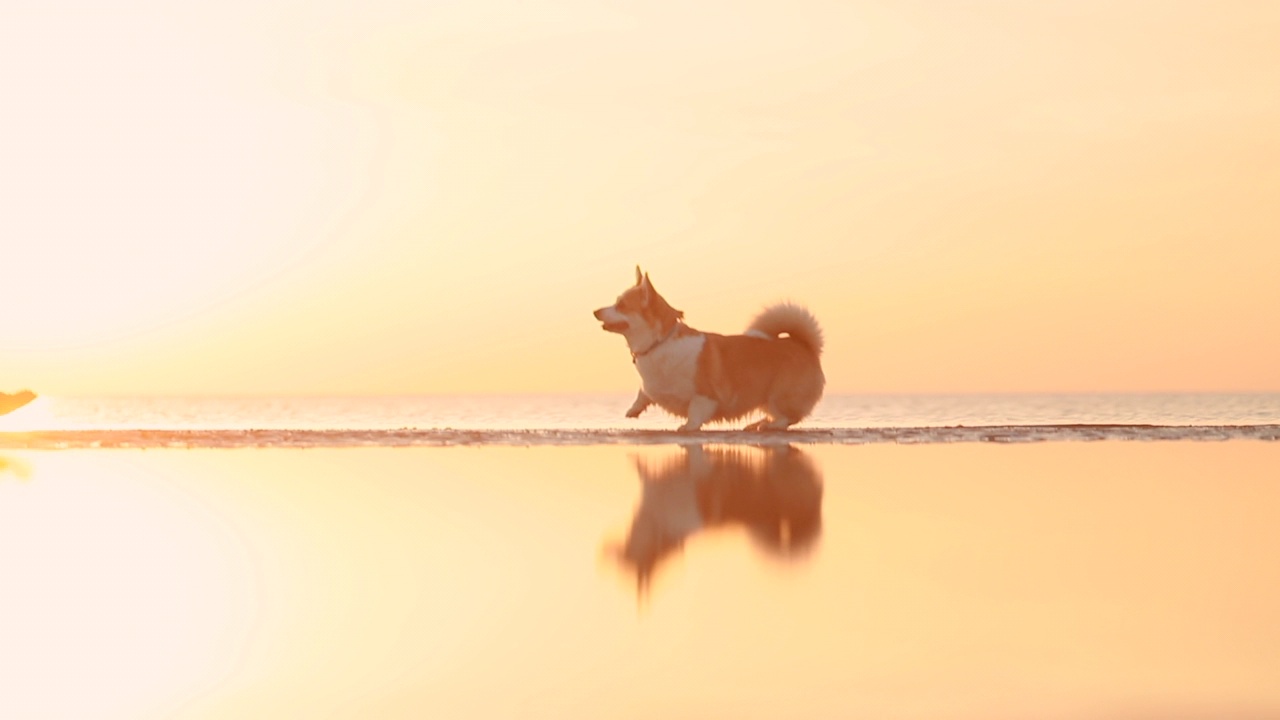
(278, 438)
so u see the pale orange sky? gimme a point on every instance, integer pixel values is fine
(276, 196)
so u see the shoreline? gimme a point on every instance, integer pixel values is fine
(410, 437)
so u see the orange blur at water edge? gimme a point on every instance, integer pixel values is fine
(972, 581)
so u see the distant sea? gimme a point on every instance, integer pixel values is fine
(578, 419)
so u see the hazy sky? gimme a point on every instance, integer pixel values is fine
(261, 196)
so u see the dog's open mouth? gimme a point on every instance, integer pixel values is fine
(618, 326)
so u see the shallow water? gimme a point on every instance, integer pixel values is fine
(1047, 580)
(229, 439)
(605, 412)
(396, 421)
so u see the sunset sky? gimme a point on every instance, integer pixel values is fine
(386, 196)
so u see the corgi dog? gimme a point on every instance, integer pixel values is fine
(705, 377)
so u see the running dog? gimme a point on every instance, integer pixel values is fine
(705, 377)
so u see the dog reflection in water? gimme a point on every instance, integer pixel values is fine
(774, 492)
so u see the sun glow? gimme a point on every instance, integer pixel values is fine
(390, 197)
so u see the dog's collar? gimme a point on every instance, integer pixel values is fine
(670, 333)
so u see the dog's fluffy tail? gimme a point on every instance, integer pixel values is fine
(789, 319)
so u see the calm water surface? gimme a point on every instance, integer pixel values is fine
(1052, 580)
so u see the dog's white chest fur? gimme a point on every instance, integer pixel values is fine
(667, 372)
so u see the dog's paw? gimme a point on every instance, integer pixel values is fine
(634, 412)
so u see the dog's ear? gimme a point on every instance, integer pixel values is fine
(639, 275)
(646, 287)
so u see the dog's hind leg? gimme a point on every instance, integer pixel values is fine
(701, 410)
(773, 420)
(791, 406)
(773, 423)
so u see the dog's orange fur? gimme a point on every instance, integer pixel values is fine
(708, 377)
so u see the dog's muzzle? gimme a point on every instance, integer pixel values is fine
(611, 325)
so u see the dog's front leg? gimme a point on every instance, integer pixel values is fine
(701, 409)
(642, 402)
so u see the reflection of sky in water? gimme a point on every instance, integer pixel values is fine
(1058, 579)
(15, 467)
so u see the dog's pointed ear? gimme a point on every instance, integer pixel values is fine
(646, 287)
(639, 275)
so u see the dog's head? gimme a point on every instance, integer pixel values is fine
(640, 314)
